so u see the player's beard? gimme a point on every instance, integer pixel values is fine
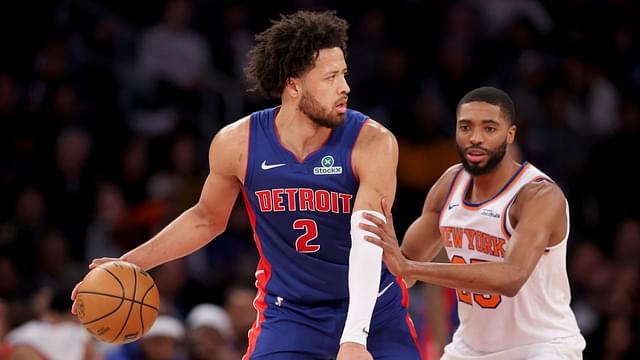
(493, 159)
(313, 110)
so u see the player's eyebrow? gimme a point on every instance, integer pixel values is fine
(485, 121)
(335, 71)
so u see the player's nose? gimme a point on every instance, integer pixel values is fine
(476, 137)
(344, 86)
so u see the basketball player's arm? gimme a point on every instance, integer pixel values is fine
(539, 211)
(375, 159)
(422, 241)
(208, 218)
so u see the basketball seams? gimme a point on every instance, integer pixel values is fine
(117, 279)
(121, 298)
(133, 295)
(106, 315)
(142, 302)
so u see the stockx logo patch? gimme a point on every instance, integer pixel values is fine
(327, 167)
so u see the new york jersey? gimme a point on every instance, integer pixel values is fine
(472, 233)
(300, 211)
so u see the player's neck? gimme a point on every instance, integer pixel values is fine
(487, 185)
(299, 134)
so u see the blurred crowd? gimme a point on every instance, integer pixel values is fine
(107, 109)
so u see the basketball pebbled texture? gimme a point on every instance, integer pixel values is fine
(117, 302)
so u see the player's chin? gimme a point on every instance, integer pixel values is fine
(337, 120)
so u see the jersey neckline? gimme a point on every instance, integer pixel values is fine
(289, 152)
(474, 206)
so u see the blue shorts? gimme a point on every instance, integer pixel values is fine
(285, 330)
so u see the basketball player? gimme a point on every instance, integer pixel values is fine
(504, 226)
(308, 170)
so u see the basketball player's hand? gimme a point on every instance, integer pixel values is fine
(353, 351)
(392, 255)
(94, 263)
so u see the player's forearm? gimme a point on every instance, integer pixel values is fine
(425, 252)
(187, 233)
(490, 277)
(414, 248)
(364, 281)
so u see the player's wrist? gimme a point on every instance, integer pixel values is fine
(352, 344)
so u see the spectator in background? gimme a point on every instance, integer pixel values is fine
(210, 334)
(174, 65)
(54, 335)
(71, 187)
(239, 306)
(20, 235)
(108, 217)
(55, 267)
(10, 278)
(162, 342)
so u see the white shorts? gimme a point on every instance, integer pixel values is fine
(569, 348)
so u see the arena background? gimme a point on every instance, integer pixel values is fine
(106, 117)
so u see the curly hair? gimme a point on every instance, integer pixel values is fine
(289, 48)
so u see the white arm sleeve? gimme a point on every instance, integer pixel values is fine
(365, 261)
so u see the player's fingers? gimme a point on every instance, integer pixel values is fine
(374, 219)
(74, 292)
(372, 229)
(374, 240)
(99, 261)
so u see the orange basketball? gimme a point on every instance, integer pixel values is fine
(117, 302)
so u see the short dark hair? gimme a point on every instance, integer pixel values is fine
(493, 96)
(289, 48)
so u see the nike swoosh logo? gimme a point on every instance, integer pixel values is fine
(385, 289)
(453, 205)
(264, 165)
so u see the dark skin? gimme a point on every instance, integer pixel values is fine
(537, 215)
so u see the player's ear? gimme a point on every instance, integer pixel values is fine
(511, 133)
(292, 87)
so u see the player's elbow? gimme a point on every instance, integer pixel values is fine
(514, 282)
(205, 219)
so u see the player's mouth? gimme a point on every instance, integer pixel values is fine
(475, 155)
(342, 106)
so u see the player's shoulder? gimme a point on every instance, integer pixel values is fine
(374, 135)
(235, 130)
(442, 187)
(229, 148)
(233, 137)
(540, 189)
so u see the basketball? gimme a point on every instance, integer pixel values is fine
(117, 302)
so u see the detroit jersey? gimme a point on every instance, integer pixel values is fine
(491, 323)
(301, 210)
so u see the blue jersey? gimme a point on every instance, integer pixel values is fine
(301, 210)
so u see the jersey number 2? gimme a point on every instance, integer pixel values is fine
(486, 301)
(310, 233)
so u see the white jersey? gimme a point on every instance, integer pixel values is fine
(491, 323)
